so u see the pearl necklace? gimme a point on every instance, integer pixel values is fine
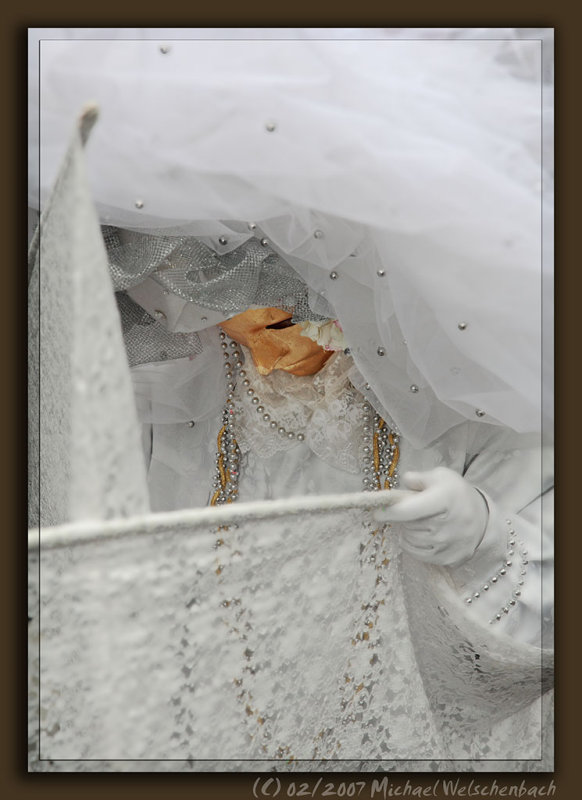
(380, 450)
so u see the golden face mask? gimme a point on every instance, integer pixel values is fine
(275, 342)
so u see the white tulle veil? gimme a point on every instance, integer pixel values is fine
(414, 165)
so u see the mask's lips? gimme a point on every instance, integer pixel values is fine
(277, 326)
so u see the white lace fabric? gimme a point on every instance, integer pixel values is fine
(325, 407)
(301, 641)
(81, 466)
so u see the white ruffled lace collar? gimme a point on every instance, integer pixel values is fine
(325, 408)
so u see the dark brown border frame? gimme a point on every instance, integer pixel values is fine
(15, 21)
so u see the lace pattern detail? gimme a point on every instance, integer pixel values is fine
(325, 643)
(325, 407)
(85, 439)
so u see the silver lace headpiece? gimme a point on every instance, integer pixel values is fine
(251, 275)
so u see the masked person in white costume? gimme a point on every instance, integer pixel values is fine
(328, 280)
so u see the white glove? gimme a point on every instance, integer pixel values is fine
(443, 519)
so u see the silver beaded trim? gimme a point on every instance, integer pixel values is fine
(226, 476)
(378, 466)
(501, 572)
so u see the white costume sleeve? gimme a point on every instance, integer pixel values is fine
(509, 580)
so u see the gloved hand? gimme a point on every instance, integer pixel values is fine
(443, 517)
